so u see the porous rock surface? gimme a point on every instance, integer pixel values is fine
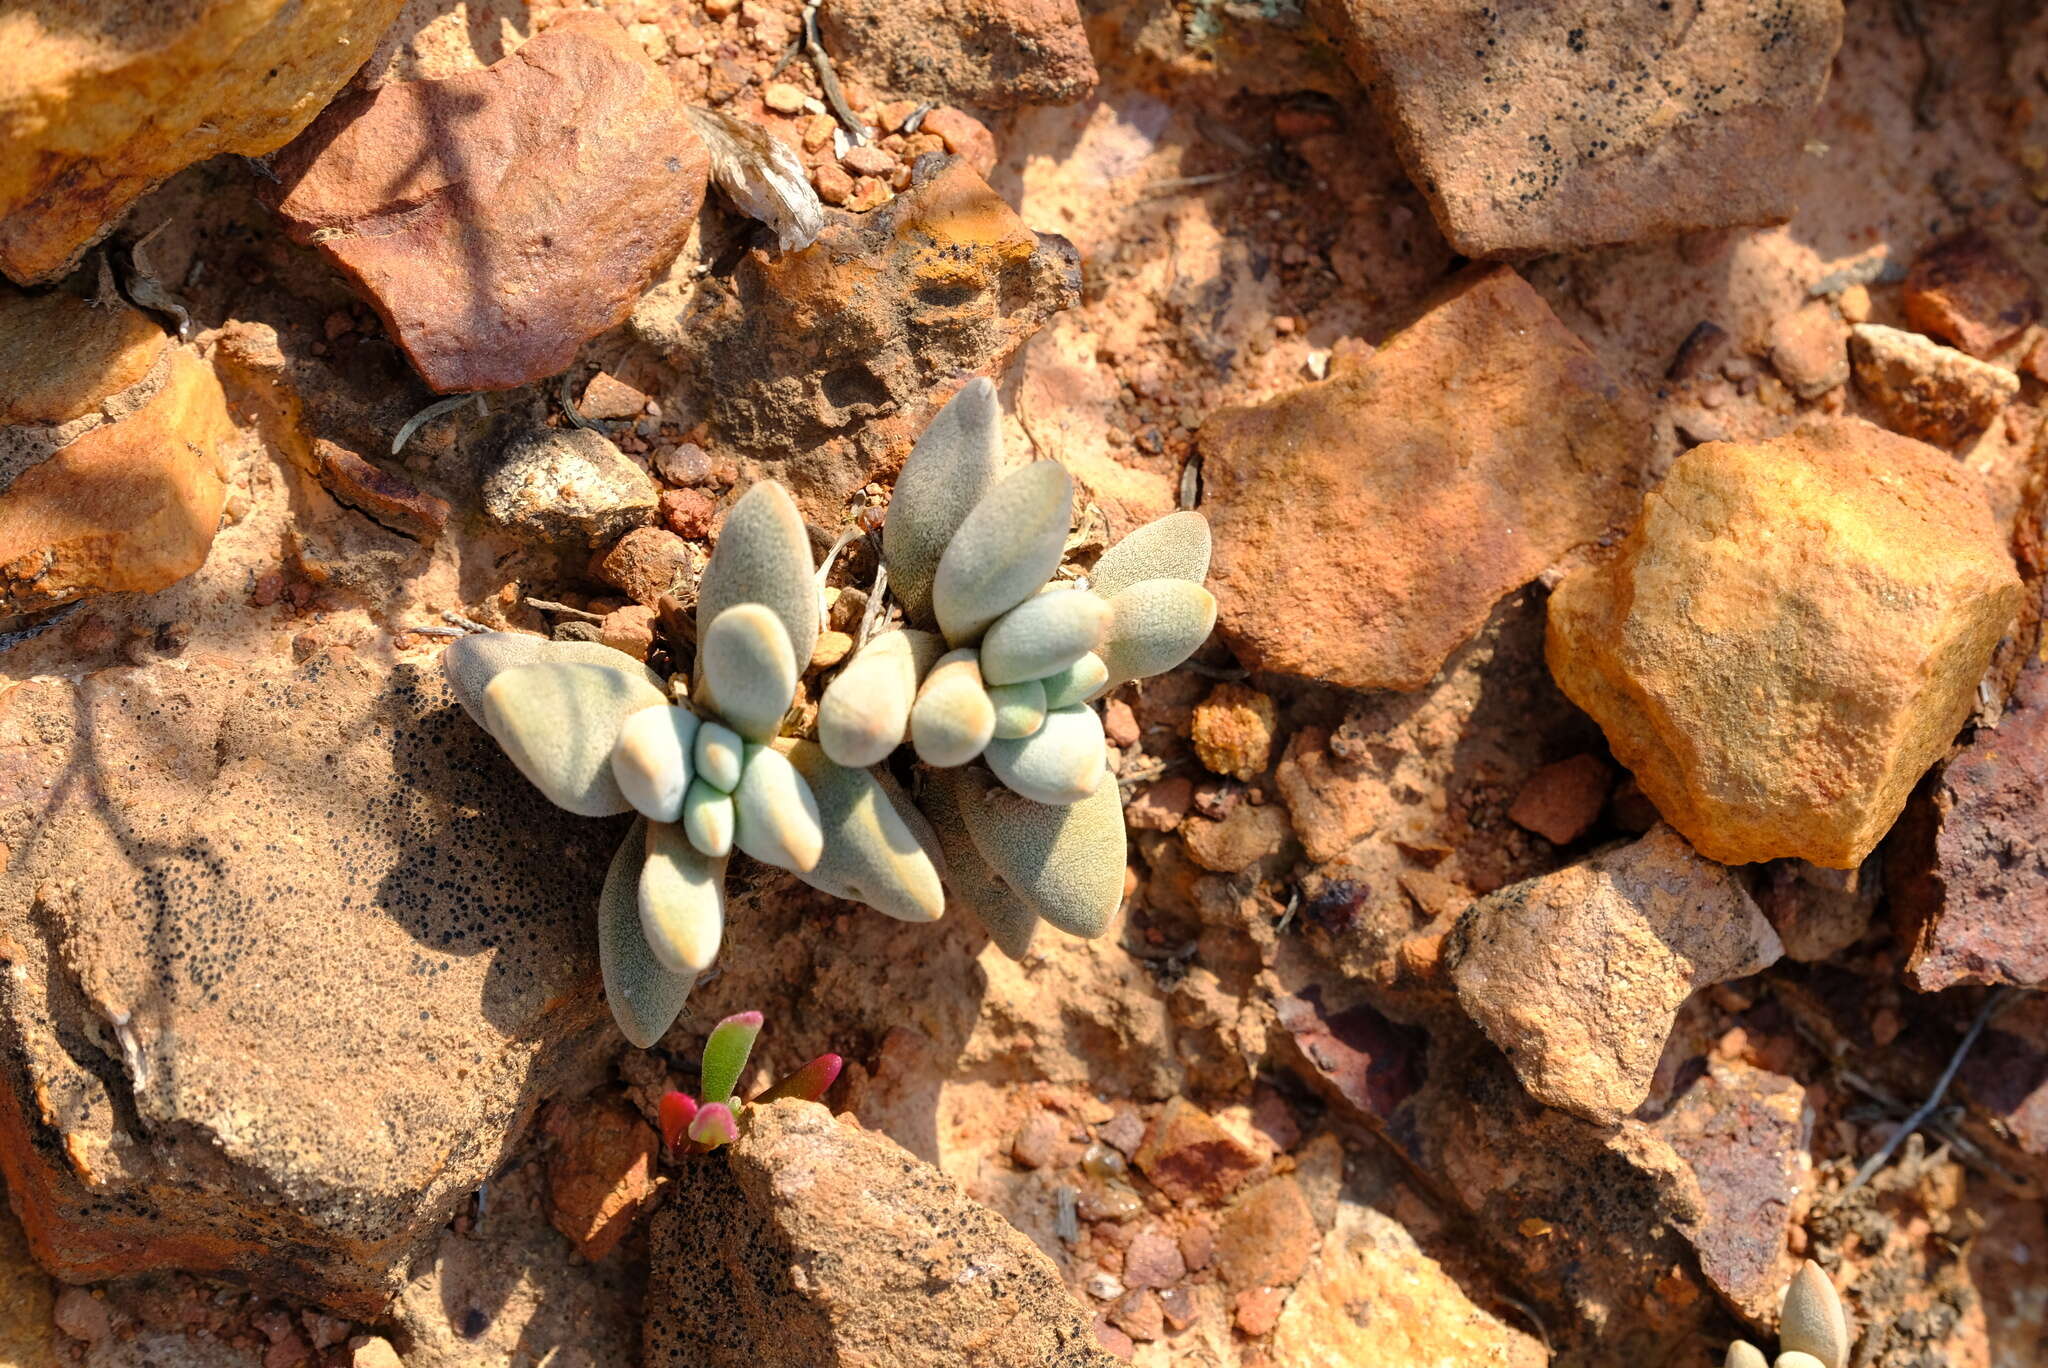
(102, 100)
(1924, 389)
(813, 1241)
(1567, 124)
(1578, 975)
(210, 857)
(1365, 526)
(989, 54)
(467, 209)
(1790, 635)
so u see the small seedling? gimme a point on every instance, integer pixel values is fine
(694, 1125)
(1813, 1331)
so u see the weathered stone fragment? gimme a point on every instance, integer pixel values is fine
(988, 54)
(1969, 293)
(1924, 389)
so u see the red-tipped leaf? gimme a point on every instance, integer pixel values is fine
(677, 1111)
(714, 1125)
(810, 1083)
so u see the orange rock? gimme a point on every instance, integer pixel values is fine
(1233, 731)
(1267, 1236)
(131, 505)
(1192, 1159)
(63, 355)
(992, 54)
(1968, 292)
(1365, 526)
(1561, 802)
(600, 1174)
(1249, 834)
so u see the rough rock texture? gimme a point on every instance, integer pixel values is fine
(64, 357)
(1578, 975)
(1365, 526)
(989, 54)
(1744, 1131)
(101, 100)
(27, 1334)
(813, 1241)
(1789, 637)
(827, 360)
(1924, 389)
(132, 504)
(1373, 1296)
(567, 487)
(462, 207)
(1968, 871)
(1810, 350)
(600, 1173)
(1566, 124)
(1966, 291)
(209, 857)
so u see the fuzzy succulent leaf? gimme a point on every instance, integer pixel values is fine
(875, 852)
(682, 900)
(717, 756)
(472, 662)
(726, 1051)
(1062, 762)
(645, 998)
(1020, 708)
(1008, 546)
(953, 718)
(1043, 635)
(714, 1125)
(763, 556)
(558, 723)
(974, 884)
(708, 819)
(750, 669)
(1155, 625)
(1078, 683)
(808, 1084)
(1065, 863)
(865, 711)
(775, 816)
(1173, 547)
(1796, 1358)
(676, 1111)
(1812, 1321)
(1743, 1354)
(953, 465)
(651, 761)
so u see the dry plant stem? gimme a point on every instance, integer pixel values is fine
(856, 131)
(1992, 1005)
(563, 609)
(428, 414)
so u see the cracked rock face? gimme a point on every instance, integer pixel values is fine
(211, 857)
(1791, 634)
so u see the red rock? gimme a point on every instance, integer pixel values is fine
(965, 136)
(1561, 802)
(1119, 723)
(1968, 292)
(1365, 526)
(1042, 1141)
(1571, 124)
(1192, 1159)
(499, 219)
(1330, 799)
(688, 513)
(629, 629)
(1810, 349)
(833, 184)
(1161, 807)
(1153, 1259)
(1257, 1309)
(607, 397)
(388, 497)
(991, 54)
(683, 464)
(1967, 869)
(1372, 1063)
(1140, 1316)
(600, 1173)
(647, 563)
(868, 160)
(1267, 1236)
(65, 357)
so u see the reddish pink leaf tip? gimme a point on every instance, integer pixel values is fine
(810, 1083)
(714, 1125)
(752, 1019)
(677, 1111)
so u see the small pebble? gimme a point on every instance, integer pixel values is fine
(783, 98)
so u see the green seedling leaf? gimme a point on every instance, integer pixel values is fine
(714, 1125)
(808, 1084)
(725, 1056)
(677, 1111)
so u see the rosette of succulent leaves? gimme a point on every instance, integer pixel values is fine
(1813, 1332)
(993, 674)
(694, 1125)
(998, 663)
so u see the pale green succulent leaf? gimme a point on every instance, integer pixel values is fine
(708, 819)
(1813, 1321)
(682, 900)
(1743, 1354)
(1008, 546)
(1062, 762)
(644, 997)
(1064, 862)
(1043, 635)
(763, 556)
(1155, 625)
(1796, 1358)
(1173, 547)
(651, 760)
(750, 668)
(1020, 708)
(558, 723)
(1078, 683)
(952, 719)
(472, 662)
(775, 814)
(874, 852)
(970, 880)
(865, 711)
(717, 756)
(953, 465)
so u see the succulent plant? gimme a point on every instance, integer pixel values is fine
(971, 553)
(1813, 1331)
(695, 1125)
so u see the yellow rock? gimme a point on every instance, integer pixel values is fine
(62, 355)
(101, 100)
(1790, 635)
(131, 505)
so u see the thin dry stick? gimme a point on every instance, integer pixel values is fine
(1926, 1109)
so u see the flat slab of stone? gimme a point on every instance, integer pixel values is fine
(1365, 526)
(1538, 126)
(292, 951)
